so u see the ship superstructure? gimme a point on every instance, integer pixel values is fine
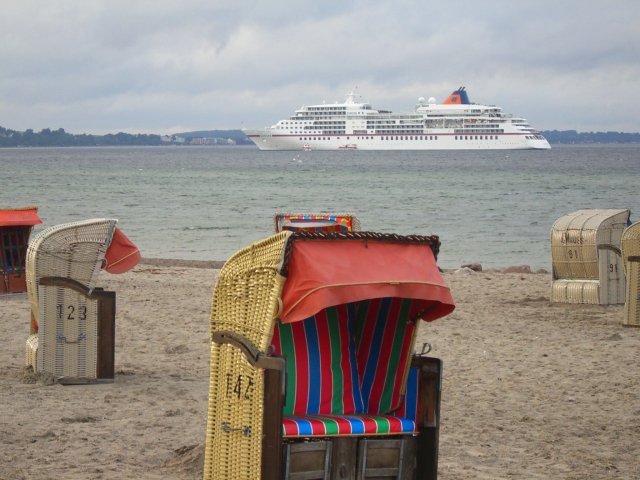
(455, 124)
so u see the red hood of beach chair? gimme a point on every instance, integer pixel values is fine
(26, 216)
(122, 254)
(323, 274)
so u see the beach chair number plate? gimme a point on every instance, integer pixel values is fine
(71, 312)
(240, 388)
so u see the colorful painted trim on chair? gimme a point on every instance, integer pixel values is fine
(313, 347)
(328, 425)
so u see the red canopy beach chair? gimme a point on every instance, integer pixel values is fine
(313, 371)
(15, 228)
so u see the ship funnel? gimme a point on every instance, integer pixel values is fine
(458, 97)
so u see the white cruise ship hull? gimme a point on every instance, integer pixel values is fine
(266, 140)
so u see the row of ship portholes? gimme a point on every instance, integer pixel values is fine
(382, 137)
(476, 137)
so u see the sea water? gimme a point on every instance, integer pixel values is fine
(495, 208)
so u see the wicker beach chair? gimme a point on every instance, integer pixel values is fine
(16, 225)
(316, 222)
(72, 321)
(586, 260)
(312, 371)
(631, 258)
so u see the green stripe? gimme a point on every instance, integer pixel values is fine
(330, 425)
(289, 352)
(333, 324)
(394, 358)
(362, 309)
(383, 425)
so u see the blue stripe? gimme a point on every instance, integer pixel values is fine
(304, 426)
(411, 397)
(311, 333)
(355, 380)
(371, 367)
(357, 425)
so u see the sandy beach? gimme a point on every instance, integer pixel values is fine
(532, 390)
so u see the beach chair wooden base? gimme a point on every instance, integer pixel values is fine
(84, 351)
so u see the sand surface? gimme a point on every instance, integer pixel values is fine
(532, 390)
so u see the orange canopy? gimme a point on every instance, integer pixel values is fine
(19, 216)
(122, 254)
(327, 273)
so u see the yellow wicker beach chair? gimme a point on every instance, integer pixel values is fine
(585, 254)
(72, 322)
(312, 371)
(631, 257)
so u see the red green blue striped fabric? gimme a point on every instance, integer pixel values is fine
(409, 406)
(384, 333)
(327, 425)
(321, 371)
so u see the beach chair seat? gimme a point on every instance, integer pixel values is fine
(351, 425)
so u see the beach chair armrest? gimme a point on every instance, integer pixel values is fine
(255, 357)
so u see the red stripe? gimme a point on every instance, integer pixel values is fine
(290, 427)
(377, 387)
(317, 426)
(364, 347)
(348, 402)
(370, 425)
(302, 368)
(326, 380)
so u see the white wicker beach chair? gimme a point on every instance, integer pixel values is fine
(586, 260)
(62, 263)
(631, 257)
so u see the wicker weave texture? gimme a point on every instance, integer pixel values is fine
(71, 250)
(31, 352)
(246, 300)
(584, 246)
(575, 291)
(631, 248)
(233, 448)
(68, 333)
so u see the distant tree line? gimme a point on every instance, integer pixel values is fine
(572, 136)
(60, 138)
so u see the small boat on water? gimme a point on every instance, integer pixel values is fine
(455, 124)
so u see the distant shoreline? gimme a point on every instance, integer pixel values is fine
(61, 138)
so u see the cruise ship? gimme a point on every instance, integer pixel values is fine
(455, 124)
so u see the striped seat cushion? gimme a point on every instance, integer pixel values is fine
(321, 374)
(327, 425)
(384, 337)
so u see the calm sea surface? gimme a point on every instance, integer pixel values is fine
(491, 207)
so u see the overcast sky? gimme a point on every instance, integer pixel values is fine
(158, 66)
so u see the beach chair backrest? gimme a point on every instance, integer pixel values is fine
(316, 223)
(71, 250)
(384, 342)
(320, 355)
